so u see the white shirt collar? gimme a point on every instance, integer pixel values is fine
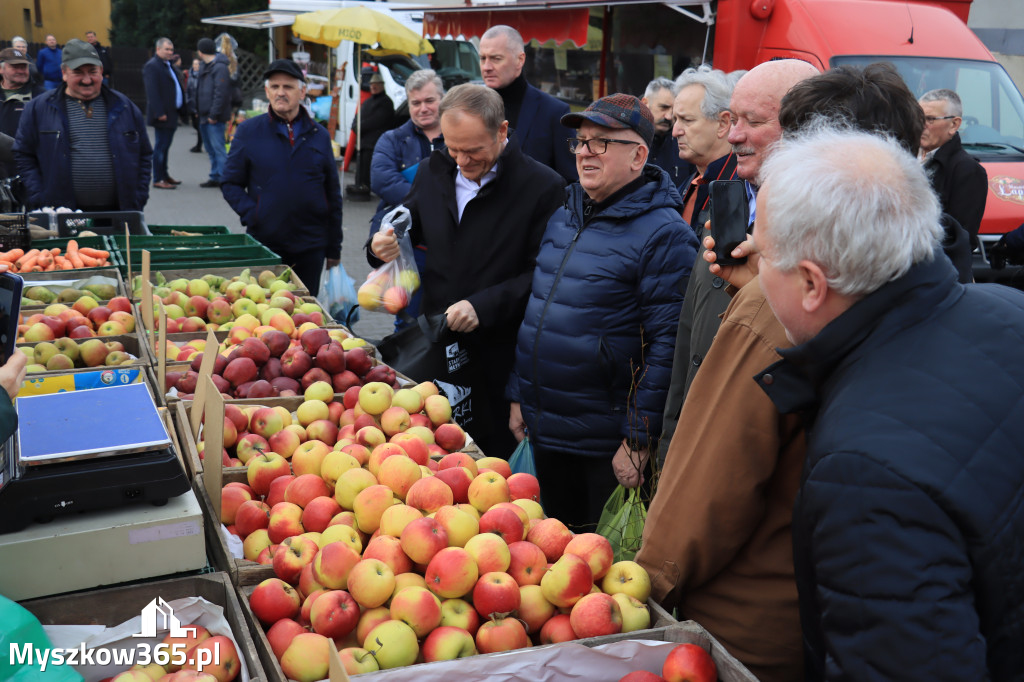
(466, 189)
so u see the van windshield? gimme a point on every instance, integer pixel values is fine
(993, 120)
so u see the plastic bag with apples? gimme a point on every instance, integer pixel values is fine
(390, 287)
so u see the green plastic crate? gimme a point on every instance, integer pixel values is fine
(228, 256)
(153, 243)
(201, 229)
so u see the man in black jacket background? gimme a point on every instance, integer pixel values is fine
(165, 99)
(479, 207)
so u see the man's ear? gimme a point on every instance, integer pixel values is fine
(813, 286)
(724, 124)
(640, 158)
(956, 123)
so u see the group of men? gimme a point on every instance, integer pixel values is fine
(840, 495)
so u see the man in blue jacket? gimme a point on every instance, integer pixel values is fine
(49, 62)
(535, 116)
(165, 99)
(83, 145)
(282, 181)
(908, 527)
(594, 352)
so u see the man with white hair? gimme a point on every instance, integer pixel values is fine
(534, 116)
(909, 521)
(658, 97)
(957, 177)
(281, 179)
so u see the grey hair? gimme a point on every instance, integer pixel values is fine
(717, 86)
(512, 36)
(734, 76)
(418, 79)
(17, 39)
(478, 100)
(299, 83)
(658, 84)
(954, 107)
(869, 215)
(163, 41)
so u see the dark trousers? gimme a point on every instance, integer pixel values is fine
(161, 146)
(574, 487)
(308, 265)
(363, 158)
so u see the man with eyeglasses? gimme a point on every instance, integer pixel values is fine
(956, 176)
(594, 352)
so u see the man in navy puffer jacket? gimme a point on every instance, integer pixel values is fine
(594, 352)
(908, 528)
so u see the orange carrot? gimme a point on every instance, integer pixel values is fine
(95, 253)
(65, 264)
(12, 255)
(31, 255)
(55, 251)
(26, 265)
(75, 259)
(89, 261)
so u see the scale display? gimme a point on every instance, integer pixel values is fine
(100, 422)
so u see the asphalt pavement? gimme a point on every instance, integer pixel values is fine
(191, 204)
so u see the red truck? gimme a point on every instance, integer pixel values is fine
(929, 44)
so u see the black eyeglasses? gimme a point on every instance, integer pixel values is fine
(933, 119)
(596, 145)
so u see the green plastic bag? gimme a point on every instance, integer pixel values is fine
(622, 522)
(20, 629)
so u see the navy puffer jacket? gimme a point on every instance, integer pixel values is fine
(908, 530)
(602, 314)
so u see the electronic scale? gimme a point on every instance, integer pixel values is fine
(83, 450)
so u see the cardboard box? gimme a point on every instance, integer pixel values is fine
(105, 547)
(74, 277)
(113, 606)
(661, 620)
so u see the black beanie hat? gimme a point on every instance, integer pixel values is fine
(206, 46)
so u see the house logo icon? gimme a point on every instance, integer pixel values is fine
(158, 615)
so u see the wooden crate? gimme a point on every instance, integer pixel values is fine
(241, 571)
(661, 620)
(116, 605)
(46, 278)
(228, 272)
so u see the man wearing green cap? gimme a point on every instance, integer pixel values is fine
(83, 145)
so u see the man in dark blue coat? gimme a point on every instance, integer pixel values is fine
(594, 352)
(213, 104)
(908, 529)
(83, 145)
(165, 98)
(282, 181)
(535, 116)
(479, 208)
(665, 153)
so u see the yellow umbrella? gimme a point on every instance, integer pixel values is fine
(360, 25)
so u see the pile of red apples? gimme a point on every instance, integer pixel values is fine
(400, 558)
(273, 364)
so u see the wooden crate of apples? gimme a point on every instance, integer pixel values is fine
(400, 559)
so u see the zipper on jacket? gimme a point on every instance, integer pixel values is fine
(543, 314)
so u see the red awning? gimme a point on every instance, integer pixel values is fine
(543, 25)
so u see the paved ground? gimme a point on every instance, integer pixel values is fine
(191, 204)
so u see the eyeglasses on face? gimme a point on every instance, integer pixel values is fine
(933, 119)
(596, 145)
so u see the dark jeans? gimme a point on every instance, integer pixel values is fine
(161, 145)
(308, 265)
(363, 158)
(216, 147)
(574, 487)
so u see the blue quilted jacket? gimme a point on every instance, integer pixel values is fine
(908, 530)
(602, 314)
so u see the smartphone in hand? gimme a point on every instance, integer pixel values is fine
(10, 309)
(730, 216)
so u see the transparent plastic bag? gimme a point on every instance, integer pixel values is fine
(338, 295)
(622, 522)
(390, 287)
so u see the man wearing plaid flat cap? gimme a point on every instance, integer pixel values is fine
(594, 352)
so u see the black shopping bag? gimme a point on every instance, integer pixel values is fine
(426, 350)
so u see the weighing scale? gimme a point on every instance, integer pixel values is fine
(84, 450)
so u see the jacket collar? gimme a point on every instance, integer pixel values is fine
(944, 153)
(795, 383)
(657, 191)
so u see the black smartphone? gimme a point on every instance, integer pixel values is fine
(10, 308)
(730, 216)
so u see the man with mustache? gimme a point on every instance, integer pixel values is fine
(281, 180)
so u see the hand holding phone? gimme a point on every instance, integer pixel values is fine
(10, 309)
(730, 217)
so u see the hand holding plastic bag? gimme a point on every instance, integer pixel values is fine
(622, 522)
(391, 285)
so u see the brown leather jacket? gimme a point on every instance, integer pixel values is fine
(717, 540)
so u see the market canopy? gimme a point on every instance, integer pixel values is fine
(359, 25)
